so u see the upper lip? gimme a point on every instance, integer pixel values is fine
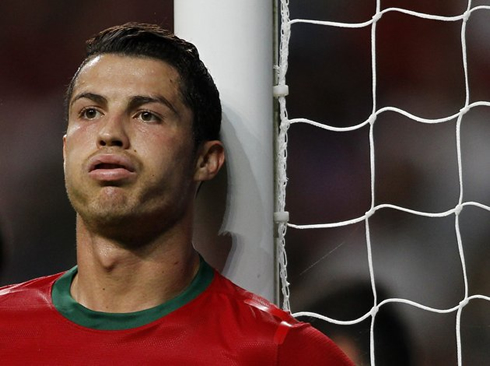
(111, 161)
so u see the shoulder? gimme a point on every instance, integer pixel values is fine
(34, 291)
(296, 342)
(247, 304)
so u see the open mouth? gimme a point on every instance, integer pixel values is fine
(110, 167)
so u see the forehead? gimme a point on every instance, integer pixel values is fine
(120, 75)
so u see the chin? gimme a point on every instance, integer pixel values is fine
(104, 210)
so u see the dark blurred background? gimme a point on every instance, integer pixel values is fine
(419, 69)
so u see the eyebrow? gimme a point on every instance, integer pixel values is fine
(99, 99)
(139, 100)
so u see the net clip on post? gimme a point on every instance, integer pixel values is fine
(280, 90)
(281, 217)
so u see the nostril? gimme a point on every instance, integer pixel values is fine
(113, 135)
(111, 142)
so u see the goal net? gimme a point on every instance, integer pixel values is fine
(383, 179)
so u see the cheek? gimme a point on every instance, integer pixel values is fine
(163, 145)
(69, 164)
(73, 130)
(81, 136)
(168, 155)
(75, 150)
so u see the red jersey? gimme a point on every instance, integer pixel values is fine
(213, 322)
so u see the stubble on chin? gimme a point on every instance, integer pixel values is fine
(121, 218)
(106, 208)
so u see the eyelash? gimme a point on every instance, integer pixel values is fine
(83, 112)
(154, 117)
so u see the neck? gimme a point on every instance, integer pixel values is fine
(120, 279)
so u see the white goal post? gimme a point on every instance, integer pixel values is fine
(234, 39)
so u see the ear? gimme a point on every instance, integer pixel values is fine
(209, 161)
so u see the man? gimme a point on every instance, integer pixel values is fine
(143, 134)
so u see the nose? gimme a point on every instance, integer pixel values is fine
(113, 134)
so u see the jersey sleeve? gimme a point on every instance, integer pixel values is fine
(305, 345)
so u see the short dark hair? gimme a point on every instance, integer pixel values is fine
(197, 87)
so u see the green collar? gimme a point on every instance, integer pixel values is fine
(72, 310)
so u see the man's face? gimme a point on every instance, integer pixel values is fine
(129, 147)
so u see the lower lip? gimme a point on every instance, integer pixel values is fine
(110, 175)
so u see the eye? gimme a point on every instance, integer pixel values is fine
(147, 116)
(89, 113)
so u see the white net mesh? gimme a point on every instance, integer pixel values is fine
(395, 133)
